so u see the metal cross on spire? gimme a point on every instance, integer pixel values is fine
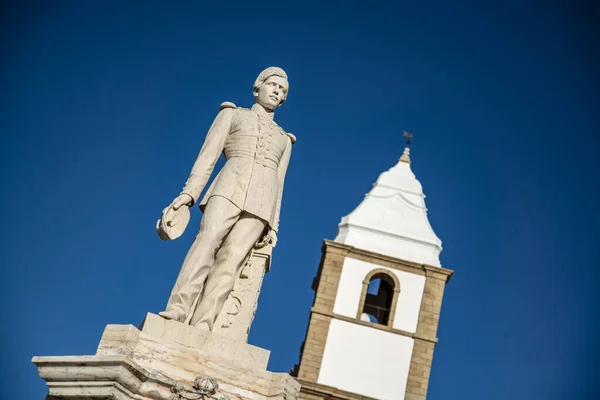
(406, 155)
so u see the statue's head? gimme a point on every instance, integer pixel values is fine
(271, 88)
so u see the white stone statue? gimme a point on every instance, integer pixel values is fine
(240, 207)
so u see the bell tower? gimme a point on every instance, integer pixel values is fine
(378, 295)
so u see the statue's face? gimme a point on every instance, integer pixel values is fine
(272, 92)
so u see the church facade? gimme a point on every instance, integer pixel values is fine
(378, 295)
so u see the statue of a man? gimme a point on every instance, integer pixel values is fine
(240, 206)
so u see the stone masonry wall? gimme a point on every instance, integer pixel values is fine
(325, 285)
(426, 336)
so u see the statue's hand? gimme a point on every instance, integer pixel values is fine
(180, 201)
(183, 199)
(271, 238)
(174, 219)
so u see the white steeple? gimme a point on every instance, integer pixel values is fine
(392, 219)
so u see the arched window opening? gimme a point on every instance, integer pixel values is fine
(378, 301)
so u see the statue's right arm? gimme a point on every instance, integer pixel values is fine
(209, 154)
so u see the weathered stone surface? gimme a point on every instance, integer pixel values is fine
(240, 207)
(164, 361)
(123, 339)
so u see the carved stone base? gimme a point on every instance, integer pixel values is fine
(165, 360)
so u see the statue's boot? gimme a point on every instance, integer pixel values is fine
(203, 326)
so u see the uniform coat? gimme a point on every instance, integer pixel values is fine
(257, 151)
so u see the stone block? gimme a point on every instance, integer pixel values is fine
(166, 360)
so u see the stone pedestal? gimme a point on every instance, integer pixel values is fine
(165, 360)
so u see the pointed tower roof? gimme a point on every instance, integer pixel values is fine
(392, 219)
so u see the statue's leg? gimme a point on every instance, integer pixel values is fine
(219, 216)
(221, 277)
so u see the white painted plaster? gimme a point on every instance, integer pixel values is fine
(366, 361)
(350, 289)
(392, 220)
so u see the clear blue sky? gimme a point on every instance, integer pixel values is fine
(105, 105)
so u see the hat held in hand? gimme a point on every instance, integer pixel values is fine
(172, 223)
